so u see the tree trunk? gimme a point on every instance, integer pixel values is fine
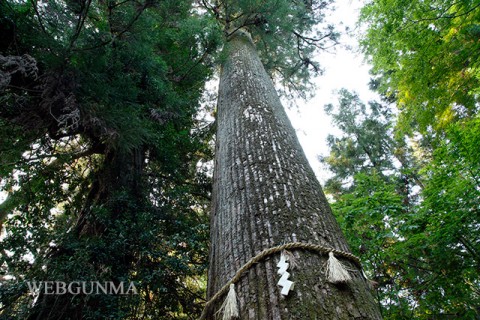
(121, 172)
(265, 194)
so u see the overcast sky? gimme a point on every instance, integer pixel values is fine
(343, 69)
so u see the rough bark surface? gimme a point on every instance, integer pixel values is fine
(265, 194)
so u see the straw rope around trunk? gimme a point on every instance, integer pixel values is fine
(267, 252)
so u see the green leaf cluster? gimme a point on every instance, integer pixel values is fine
(425, 55)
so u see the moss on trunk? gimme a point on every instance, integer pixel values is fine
(265, 194)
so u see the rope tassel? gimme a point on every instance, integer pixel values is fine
(232, 309)
(229, 306)
(336, 271)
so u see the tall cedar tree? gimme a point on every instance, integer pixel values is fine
(265, 193)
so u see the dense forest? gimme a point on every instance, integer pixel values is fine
(106, 148)
(406, 169)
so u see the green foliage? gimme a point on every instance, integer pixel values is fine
(425, 54)
(425, 59)
(448, 218)
(287, 34)
(101, 153)
(409, 211)
(365, 144)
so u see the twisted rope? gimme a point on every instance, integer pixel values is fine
(267, 252)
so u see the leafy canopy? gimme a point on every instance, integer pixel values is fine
(425, 55)
(100, 164)
(410, 211)
(287, 34)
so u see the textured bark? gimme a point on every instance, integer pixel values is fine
(265, 194)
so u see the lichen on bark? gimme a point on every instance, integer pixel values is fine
(265, 194)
